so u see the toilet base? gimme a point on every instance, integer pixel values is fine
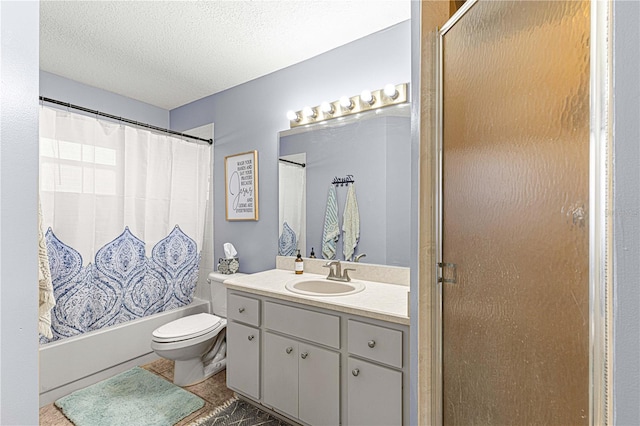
(191, 372)
(188, 372)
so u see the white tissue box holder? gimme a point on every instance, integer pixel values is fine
(229, 265)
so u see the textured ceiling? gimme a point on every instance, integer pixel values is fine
(169, 53)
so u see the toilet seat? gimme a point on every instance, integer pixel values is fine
(189, 327)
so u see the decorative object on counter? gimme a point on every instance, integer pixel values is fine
(312, 255)
(331, 231)
(230, 264)
(299, 264)
(241, 186)
(350, 224)
(287, 242)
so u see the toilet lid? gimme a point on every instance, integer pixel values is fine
(187, 327)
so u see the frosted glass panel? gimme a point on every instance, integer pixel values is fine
(515, 219)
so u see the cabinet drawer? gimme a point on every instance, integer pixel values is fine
(243, 309)
(313, 326)
(375, 343)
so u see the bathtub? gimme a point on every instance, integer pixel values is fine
(76, 362)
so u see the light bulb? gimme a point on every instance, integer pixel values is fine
(346, 102)
(309, 112)
(327, 108)
(293, 116)
(390, 91)
(367, 97)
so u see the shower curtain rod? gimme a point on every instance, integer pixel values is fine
(292, 162)
(124, 120)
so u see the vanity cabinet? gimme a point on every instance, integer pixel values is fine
(302, 380)
(374, 385)
(293, 357)
(243, 345)
(315, 365)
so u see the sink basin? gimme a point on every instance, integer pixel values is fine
(317, 287)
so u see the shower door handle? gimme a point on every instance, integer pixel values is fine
(448, 273)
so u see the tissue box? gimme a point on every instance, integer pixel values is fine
(228, 265)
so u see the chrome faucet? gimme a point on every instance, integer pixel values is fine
(336, 273)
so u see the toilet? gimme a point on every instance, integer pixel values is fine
(196, 342)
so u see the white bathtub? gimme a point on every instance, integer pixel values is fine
(76, 362)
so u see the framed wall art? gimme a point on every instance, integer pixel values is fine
(241, 186)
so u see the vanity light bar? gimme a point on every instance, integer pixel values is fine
(346, 106)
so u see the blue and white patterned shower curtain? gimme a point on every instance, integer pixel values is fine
(124, 212)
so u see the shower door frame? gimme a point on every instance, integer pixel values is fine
(600, 223)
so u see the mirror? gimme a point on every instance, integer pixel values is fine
(373, 150)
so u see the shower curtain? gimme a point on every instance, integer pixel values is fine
(124, 213)
(292, 208)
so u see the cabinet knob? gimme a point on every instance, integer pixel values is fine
(241, 310)
(355, 371)
(251, 337)
(289, 349)
(371, 343)
(304, 355)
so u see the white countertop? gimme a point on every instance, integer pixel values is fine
(387, 302)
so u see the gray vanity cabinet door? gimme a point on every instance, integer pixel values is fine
(243, 359)
(318, 385)
(281, 373)
(374, 395)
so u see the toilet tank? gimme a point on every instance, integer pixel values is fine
(219, 293)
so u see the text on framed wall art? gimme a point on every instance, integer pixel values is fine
(241, 181)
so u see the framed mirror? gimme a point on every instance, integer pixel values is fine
(370, 152)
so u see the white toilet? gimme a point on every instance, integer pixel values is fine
(196, 342)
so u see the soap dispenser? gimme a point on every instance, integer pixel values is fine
(299, 264)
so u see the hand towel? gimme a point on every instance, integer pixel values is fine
(331, 230)
(45, 286)
(350, 224)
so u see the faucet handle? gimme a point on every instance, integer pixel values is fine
(330, 265)
(345, 273)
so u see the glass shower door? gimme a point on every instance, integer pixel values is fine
(515, 176)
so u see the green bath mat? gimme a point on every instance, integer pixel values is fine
(135, 397)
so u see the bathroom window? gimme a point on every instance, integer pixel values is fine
(76, 167)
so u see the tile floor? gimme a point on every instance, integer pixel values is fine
(214, 391)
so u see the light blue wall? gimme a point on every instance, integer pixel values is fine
(62, 89)
(249, 116)
(626, 213)
(19, 59)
